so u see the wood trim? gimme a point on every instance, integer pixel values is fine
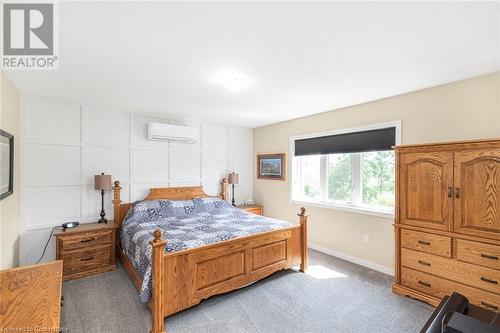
(405, 291)
(223, 189)
(176, 193)
(449, 233)
(136, 279)
(303, 245)
(448, 143)
(157, 311)
(254, 209)
(117, 203)
(451, 145)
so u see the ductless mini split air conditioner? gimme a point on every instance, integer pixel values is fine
(168, 132)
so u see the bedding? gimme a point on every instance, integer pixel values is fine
(186, 224)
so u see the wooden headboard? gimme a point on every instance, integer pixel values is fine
(167, 193)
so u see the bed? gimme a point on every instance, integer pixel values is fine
(178, 259)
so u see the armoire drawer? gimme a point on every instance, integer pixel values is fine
(426, 242)
(439, 287)
(469, 274)
(478, 253)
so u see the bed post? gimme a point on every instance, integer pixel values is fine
(117, 201)
(158, 245)
(303, 239)
(223, 189)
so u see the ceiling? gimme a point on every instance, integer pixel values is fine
(297, 58)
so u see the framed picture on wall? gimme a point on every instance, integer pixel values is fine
(271, 166)
(6, 164)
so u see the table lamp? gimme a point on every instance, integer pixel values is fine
(103, 183)
(233, 179)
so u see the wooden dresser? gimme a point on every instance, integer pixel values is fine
(448, 221)
(30, 298)
(87, 249)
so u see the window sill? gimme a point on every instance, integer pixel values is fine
(346, 208)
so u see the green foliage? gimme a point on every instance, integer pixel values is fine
(340, 177)
(309, 192)
(378, 178)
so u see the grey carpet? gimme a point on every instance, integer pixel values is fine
(336, 296)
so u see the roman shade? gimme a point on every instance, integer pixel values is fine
(355, 142)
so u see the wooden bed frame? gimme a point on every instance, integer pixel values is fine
(183, 279)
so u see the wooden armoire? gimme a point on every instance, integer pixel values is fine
(448, 221)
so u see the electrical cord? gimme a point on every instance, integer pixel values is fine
(47, 243)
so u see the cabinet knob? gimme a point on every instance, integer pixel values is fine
(488, 305)
(423, 283)
(87, 240)
(486, 279)
(425, 263)
(487, 256)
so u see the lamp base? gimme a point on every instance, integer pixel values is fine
(102, 219)
(232, 200)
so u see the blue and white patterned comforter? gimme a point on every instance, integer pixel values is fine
(186, 224)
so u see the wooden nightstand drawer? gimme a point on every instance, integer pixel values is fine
(255, 209)
(86, 239)
(82, 260)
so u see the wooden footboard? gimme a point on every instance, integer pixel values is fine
(183, 279)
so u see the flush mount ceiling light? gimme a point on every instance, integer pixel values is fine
(232, 80)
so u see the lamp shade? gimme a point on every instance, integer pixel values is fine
(102, 182)
(233, 178)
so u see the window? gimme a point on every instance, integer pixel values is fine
(324, 172)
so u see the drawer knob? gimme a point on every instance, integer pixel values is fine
(87, 259)
(423, 242)
(425, 263)
(488, 305)
(487, 256)
(485, 279)
(423, 283)
(87, 240)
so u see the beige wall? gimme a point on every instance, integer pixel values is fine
(467, 109)
(10, 206)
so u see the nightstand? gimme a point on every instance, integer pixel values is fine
(87, 249)
(254, 209)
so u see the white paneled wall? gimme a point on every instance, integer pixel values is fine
(64, 145)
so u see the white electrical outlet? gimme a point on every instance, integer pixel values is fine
(365, 238)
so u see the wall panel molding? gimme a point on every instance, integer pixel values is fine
(69, 151)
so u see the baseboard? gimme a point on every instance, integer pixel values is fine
(355, 260)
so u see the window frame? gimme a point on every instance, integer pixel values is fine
(355, 169)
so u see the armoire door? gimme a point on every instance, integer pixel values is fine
(477, 193)
(425, 189)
